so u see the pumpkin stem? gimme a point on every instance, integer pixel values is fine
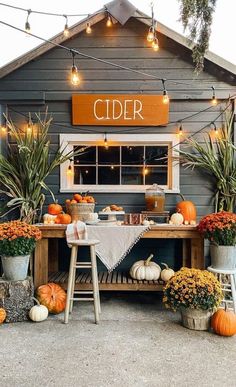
(37, 301)
(148, 259)
(182, 196)
(164, 264)
(226, 307)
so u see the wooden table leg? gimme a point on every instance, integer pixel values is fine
(53, 255)
(197, 253)
(186, 252)
(41, 262)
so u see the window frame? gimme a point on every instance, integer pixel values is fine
(67, 141)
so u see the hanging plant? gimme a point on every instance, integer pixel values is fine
(197, 16)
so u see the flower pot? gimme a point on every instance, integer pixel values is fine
(196, 319)
(223, 257)
(15, 268)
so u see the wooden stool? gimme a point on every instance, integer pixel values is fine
(71, 280)
(227, 287)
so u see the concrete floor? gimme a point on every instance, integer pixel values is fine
(137, 344)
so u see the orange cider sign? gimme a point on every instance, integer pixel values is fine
(119, 110)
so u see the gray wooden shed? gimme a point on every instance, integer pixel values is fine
(40, 78)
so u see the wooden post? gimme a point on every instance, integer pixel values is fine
(197, 253)
(41, 262)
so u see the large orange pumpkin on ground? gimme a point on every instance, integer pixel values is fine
(52, 296)
(63, 219)
(187, 209)
(3, 315)
(54, 209)
(223, 322)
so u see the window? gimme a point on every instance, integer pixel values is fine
(130, 162)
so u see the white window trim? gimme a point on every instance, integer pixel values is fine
(67, 141)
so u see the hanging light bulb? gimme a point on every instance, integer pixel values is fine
(29, 127)
(151, 34)
(155, 44)
(75, 80)
(70, 171)
(216, 132)
(88, 28)
(213, 99)
(3, 129)
(105, 141)
(27, 25)
(112, 167)
(165, 98)
(145, 171)
(180, 132)
(109, 21)
(66, 31)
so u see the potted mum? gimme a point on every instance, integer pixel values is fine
(17, 241)
(220, 229)
(196, 294)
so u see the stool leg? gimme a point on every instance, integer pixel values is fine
(95, 283)
(73, 282)
(70, 282)
(233, 290)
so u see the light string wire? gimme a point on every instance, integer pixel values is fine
(42, 12)
(99, 59)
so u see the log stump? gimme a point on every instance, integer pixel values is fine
(16, 298)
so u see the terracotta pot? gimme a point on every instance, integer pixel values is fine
(196, 319)
(223, 257)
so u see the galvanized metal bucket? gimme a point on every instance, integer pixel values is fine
(223, 257)
(15, 268)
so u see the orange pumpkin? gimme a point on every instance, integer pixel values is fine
(89, 199)
(63, 219)
(77, 197)
(223, 322)
(3, 315)
(73, 201)
(52, 296)
(187, 209)
(54, 209)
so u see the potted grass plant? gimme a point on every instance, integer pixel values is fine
(24, 170)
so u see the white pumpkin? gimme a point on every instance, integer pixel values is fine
(145, 270)
(38, 312)
(166, 273)
(49, 219)
(177, 219)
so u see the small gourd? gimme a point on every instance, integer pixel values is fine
(177, 219)
(49, 219)
(38, 312)
(167, 273)
(145, 270)
(3, 315)
(223, 322)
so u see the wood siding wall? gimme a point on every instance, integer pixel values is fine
(47, 77)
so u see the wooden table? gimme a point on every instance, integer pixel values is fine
(46, 258)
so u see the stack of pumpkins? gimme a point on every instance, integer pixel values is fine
(55, 215)
(186, 213)
(150, 271)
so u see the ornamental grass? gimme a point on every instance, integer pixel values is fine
(219, 228)
(192, 288)
(18, 238)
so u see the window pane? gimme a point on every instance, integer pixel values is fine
(154, 155)
(111, 155)
(156, 175)
(87, 157)
(132, 154)
(109, 175)
(85, 175)
(132, 175)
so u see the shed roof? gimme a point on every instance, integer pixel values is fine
(122, 11)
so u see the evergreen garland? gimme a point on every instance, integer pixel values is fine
(197, 15)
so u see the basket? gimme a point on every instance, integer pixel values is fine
(80, 211)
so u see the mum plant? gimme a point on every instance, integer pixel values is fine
(192, 288)
(219, 228)
(18, 238)
(30, 160)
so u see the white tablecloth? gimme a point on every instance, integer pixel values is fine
(115, 242)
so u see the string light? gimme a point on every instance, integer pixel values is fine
(155, 44)
(88, 28)
(3, 129)
(70, 171)
(66, 31)
(29, 127)
(150, 35)
(145, 171)
(27, 25)
(180, 130)
(213, 99)
(105, 141)
(165, 98)
(75, 80)
(112, 167)
(215, 128)
(109, 21)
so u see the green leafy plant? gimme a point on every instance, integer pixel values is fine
(18, 238)
(196, 15)
(24, 170)
(192, 288)
(216, 157)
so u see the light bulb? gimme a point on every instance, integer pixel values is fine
(75, 80)
(165, 98)
(29, 128)
(214, 101)
(150, 35)
(216, 132)
(27, 27)
(66, 31)
(112, 167)
(145, 172)
(3, 129)
(88, 28)
(155, 44)
(180, 131)
(109, 21)
(69, 171)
